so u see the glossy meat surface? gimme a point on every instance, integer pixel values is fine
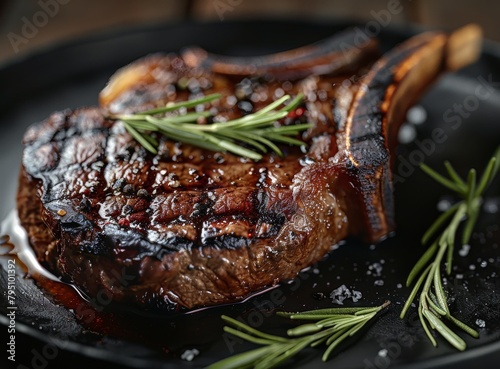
(197, 221)
(188, 228)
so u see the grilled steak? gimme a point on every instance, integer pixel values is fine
(187, 227)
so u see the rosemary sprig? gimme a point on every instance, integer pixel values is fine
(330, 327)
(433, 308)
(258, 131)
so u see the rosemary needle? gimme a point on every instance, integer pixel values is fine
(331, 327)
(433, 308)
(248, 136)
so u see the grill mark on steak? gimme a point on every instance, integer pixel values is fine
(196, 228)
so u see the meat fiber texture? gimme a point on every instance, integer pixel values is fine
(188, 228)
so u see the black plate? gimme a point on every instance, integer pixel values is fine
(71, 75)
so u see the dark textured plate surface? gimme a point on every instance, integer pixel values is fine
(462, 110)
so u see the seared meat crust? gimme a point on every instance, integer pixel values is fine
(191, 228)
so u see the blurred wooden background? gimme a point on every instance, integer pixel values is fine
(26, 25)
